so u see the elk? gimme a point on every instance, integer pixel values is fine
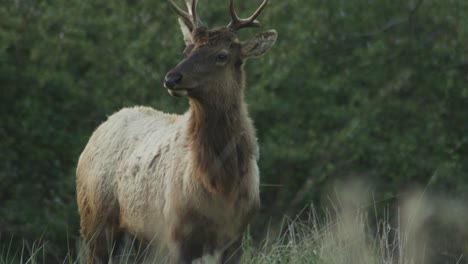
(187, 184)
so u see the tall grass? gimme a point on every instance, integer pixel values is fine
(28, 253)
(350, 232)
(418, 231)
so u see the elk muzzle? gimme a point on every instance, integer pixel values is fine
(172, 79)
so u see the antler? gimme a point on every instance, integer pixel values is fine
(237, 23)
(190, 18)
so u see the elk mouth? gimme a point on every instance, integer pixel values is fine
(177, 92)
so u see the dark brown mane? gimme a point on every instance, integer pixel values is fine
(222, 145)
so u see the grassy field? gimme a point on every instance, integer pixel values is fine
(420, 230)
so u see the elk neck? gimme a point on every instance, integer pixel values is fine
(222, 142)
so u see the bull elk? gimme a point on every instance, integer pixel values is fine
(185, 184)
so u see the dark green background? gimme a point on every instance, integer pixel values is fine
(369, 89)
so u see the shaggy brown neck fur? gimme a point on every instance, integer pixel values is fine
(222, 142)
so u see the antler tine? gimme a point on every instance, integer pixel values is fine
(194, 12)
(189, 18)
(184, 15)
(237, 23)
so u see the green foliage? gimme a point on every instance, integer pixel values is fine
(373, 89)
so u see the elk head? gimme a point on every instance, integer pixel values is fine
(213, 58)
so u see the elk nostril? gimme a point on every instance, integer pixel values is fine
(172, 79)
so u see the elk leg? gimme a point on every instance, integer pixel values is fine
(100, 235)
(142, 249)
(233, 253)
(181, 258)
(100, 246)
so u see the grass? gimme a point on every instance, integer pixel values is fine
(344, 234)
(421, 229)
(34, 253)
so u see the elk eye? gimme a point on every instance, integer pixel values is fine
(222, 57)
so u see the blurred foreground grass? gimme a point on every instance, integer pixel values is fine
(423, 228)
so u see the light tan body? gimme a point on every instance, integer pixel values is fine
(138, 166)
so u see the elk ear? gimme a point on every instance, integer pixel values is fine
(188, 39)
(259, 44)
